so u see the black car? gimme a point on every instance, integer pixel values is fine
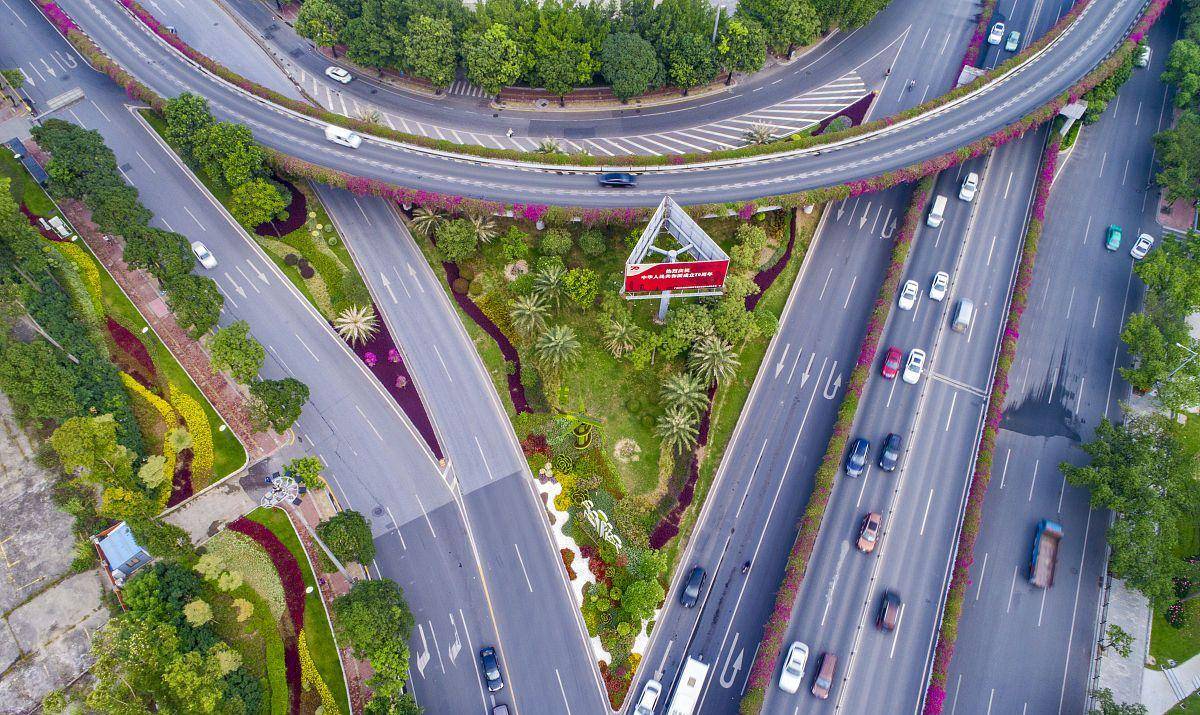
(890, 456)
(889, 612)
(691, 587)
(618, 179)
(856, 458)
(491, 669)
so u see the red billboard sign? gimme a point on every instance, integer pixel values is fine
(653, 277)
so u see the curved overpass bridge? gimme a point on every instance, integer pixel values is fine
(1098, 29)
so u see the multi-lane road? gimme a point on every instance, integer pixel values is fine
(1097, 30)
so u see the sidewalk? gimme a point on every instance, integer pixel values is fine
(1129, 610)
(1162, 689)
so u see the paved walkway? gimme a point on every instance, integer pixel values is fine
(1130, 611)
(1162, 689)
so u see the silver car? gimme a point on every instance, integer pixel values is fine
(206, 258)
(651, 691)
(793, 668)
(1142, 246)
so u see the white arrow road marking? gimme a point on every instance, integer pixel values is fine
(863, 221)
(806, 374)
(49, 69)
(258, 271)
(779, 365)
(236, 287)
(27, 77)
(734, 664)
(658, 674)
(64, 58)
(831, 388)
(248, 280)
(841, 210)
(387, 285)
(423, 656)
(413, 273)
(453, 651)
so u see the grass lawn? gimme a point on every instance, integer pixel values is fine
(228, 453)
(316, 626)
(337, 284)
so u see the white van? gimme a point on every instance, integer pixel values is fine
(343, 136)
(937, 212)
(963, 315)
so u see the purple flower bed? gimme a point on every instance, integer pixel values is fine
(516, 391)
(181, 480)
(766, 277)
(58, 17)
(33, 221)
(856, 113)
(971, 57)
(129, 343)
(297, 213)
(668, 526)
(960, 577)
(398, 382)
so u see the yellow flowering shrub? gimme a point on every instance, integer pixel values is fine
(88, 270)
(311, 678)
(202, 441)
(171, 417)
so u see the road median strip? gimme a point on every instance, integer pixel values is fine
(762, 670)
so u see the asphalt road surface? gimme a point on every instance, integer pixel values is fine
(1064, 380)
(1097, 30)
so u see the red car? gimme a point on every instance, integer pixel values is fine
(891, 363)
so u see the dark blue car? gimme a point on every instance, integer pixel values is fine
(618, 179)
(491, 669)
(856, 458)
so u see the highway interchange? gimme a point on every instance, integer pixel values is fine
(465, 539)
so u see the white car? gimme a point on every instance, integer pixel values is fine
(1142, 246)
(337, 74)
(997, 34)
(915, 366)
(941, 283)
(908, 295)
(650, 694)
(969, 186)
(793, 668)
(203, 255)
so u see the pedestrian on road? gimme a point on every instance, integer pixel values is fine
(887, 72)
(509, 133)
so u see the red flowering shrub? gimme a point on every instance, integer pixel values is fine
(285, 563)
(129, 343)
(535, 444)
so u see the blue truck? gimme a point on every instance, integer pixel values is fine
(1045, 553)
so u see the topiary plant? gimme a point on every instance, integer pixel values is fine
(291, 259)
(460, 285)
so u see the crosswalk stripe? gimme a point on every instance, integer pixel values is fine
(643, 148)
(596, 146)
(704, 139)
(674, 138)
(706, 130)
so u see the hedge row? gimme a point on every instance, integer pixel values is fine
(762, 670)
(948, 633)
(200, 429)
(797, 142)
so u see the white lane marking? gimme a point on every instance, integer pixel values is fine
(982, 573)
(369, 424)
(151, 168)
(425, 514)
(950, 412)
(561, 689)
(189, 213)
(486, 466)
(396, 526)
(1012, 588)
(1103, 159)
(1008, 184)
(1004, 473)
(527, 581)
(1033, 481)
(1042, 607)
(849, 292)
(928, 502)
(310, 352)
(1087, 230)
(1096, 312)
(1078, 587)
(896, 631)
(825, 285)
(1079, 395)
(443, 362)
(1070, 303)
(98, 109)
(862, 490)
(991, 248)
(437, 648)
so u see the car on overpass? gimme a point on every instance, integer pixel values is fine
(889, 611)
(941, 284)
(997, 34)
(1014, 41)
(868, 532)
(823, 683)
(889, 456)
(969, 186)
(337, 74)
(915, 366)
(618, 179)
(908, 295)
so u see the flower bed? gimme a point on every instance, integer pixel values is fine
(668, 526)
(762, 670)
(297, 211)
(383, 359)
(960, 577)
(765, 278)
(253, 563)
(202, 443)
(129, 344)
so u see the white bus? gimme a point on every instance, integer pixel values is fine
(687, 691)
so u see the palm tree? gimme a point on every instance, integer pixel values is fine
(548, 146)
(686, 391)
(549, 284)
(619, 335)
(357, 324)
(557, 347)
(426, 220)
(677, 429)
(713, 360)
(760, 134)
(529, 313)
(485, 227)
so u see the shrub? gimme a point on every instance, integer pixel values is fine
(306, 470)
(348, 536)
(582, 286)
(456, 240)
(555, 242)
(460, 285)
(285, 564)
(197, 423)
(593, 243)
(311, 678)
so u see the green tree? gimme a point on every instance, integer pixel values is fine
(152, 473)
(686, 391)
(197, 613)
(37, 382)
(375, 37)
(306, 470)
(847, 15)
(431, 50)
(116, 209)
(187, 117)
(1179, 156)
(255, 202)
(1183, 70)
(228, 154)
(348, 536)
(165, 541)
(1171, 273)
(629, 64)
(320, 21)
(196, 303)
(557, 347)
(563, 67)
(493, 59)
(787, 23)
(1139, 471)
(692, 62)
(713, 360)
(583, 284)
(550, 283)
(640, 598)
(529, 313)
(742, 47)
(1116, 638)
(677, 429)
(620, 335)
(456, 240)
(277, 403)
(88, 446)
(374, 619)
(556, 242)
(235, 351)
(1107, 705)
(165, 254)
